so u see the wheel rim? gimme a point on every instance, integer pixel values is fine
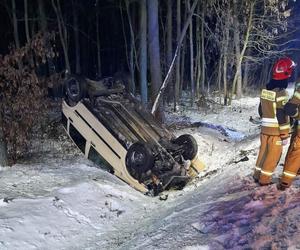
(138, 158)
(188, 145)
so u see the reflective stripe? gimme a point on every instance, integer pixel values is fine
(295, 115)
(297, 95)
(270, 122)
(257, 168)
(274, 108)
(289, 174)
(284, 127)
(273, 120)
(268, 95)
(281, 98)
(270, 125)
(266, 173)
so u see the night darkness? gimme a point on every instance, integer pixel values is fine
(113, 30)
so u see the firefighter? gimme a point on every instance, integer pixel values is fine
(292, 159)
(275, 126)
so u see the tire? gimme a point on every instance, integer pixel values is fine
(139, 160)
(75, 89)
(189, 146)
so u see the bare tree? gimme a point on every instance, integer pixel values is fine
(246, 40)
(203, 61)
(99, 71)
(154, 52)
(182, 35)
(143, 51)
(62, 31)
(198, 54)
(132, 49)
(236, 35)
(42, 16)
(225, 57)
(177, 82)
(191, 56)
(169, 44)
(76, 37)
(26, 20)
(15, 24)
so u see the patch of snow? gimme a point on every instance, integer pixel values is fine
(196, 247)
(63, 201)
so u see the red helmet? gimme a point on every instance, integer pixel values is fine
(283, 69)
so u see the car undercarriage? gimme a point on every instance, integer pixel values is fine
(130, 142)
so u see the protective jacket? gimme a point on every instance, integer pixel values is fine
(271, 110)
(275, 128)
(292, 159)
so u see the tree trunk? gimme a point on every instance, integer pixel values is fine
(154, 53)
(143, 52)
(199, 53)
(42, 16)
(203, 63)
(265, 73)
(26, 21)
(62, 32)
(169, 32)
(225, 58)
(132, 50)
(177, 82)
(169, 44)
(246, 40)
(124, 34)
(99, 71)
(219, 78)
(3, 146)
(182, 82)
(237, 50)
(182, 35)
(191, 57)
(15, 24)
(76, 37)
(246, 74)
(43, 26)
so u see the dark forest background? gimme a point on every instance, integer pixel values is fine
(201, 48)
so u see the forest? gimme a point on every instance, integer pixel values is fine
(163, 48)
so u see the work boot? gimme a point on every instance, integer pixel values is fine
(265, 180)
(256, 176)
(281, 187)
(265, 183)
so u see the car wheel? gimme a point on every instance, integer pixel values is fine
(189, 146)
(75, 89)
(139, 160)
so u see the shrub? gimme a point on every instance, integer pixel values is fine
(22, 91)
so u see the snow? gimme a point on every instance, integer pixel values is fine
(59, 200)
(53, 206)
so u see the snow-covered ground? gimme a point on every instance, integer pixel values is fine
(59, 200)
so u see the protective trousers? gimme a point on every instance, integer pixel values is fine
(268, 158)
(292, 162)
